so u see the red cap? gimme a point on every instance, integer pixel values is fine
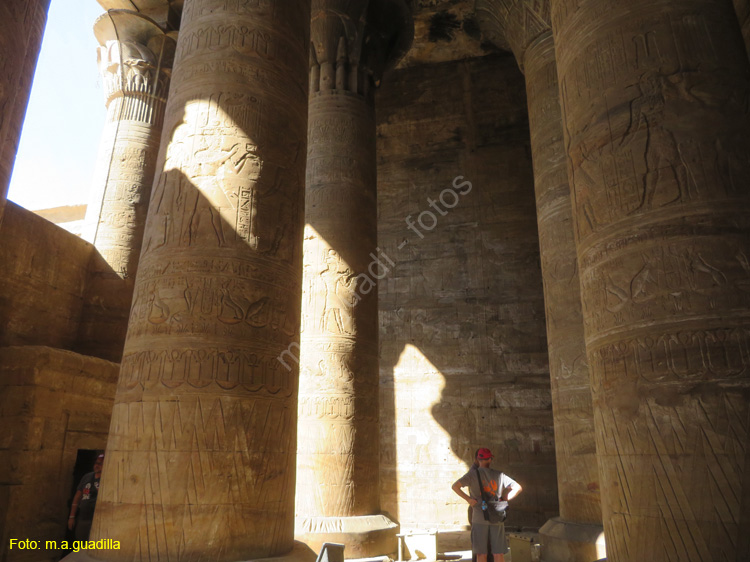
(484, 454)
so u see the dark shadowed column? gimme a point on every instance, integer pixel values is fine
(201, 454)
(135, 61)
(21, 29)
(577, 534)
(654, 97)
(742, 7)
(338, 476)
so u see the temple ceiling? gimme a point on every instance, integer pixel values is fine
(444, 30)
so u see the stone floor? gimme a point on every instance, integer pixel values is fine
(455, 546)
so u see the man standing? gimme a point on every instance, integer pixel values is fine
(486, 485)
(84, 502)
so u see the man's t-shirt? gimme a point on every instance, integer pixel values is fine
(493, 483)
(89, 488)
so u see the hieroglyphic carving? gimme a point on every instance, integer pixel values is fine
(135, 59)
(167, 447)
(525, 25)
(339, 339)
(221, 305)
(578, 480)
(239, 181)
(680, 442)
(653, 102)
(338, 473)
(216, 301)
(249, 369)
(660, 282)
(689, 355)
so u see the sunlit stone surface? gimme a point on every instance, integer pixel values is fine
(135, 63)
(202, 448)
(338, 495)
(203, 404)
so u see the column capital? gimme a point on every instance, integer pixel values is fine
(517, 23)
(352, 44)
(135, 55)
(166, 13)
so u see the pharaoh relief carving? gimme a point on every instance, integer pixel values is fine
(217, 182)
(337, 463)
(340, 288)
(634, 140)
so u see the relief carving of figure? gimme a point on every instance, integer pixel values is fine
(661, 152)
(211, 166)
(340, 295)
(588, 180)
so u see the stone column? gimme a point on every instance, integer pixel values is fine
(201, 453)
(21, 29)
(654, 101)
(577, 534)
(338, 455)
(135, 60)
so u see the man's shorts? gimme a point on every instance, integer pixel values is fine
(481, 534)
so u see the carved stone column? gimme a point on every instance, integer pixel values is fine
(654, 100)
(135, 61)
(338, 455)
(201, 454)
(21, 29)
(577, 534)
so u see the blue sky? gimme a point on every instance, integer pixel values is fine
(66, 113)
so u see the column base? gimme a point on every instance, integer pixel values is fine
(363, 536)
(566, 541)
(299, 553)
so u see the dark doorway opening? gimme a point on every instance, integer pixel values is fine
(85, 459)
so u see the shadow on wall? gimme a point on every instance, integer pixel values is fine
(463, 342)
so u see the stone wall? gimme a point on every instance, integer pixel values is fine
(52, 403)
(42, 280)
(463, 346)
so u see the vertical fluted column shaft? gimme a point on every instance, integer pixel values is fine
(654, 99)
(135, 62)
(201, 452)
(577, 472)
(21, 29)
